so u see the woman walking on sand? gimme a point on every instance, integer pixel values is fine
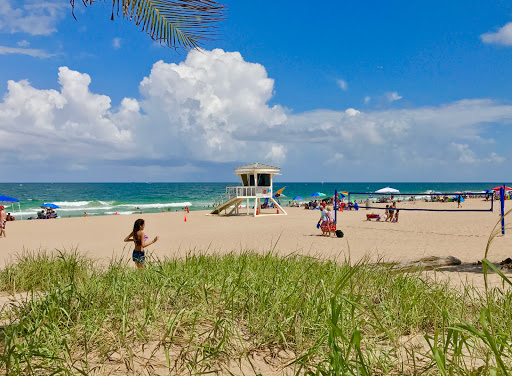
(140, 240)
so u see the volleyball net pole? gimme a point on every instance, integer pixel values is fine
(502, 199)
(336, 205)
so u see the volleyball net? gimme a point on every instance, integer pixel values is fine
(370, 203)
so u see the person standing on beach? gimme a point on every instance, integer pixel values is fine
(140, 241)
(323, 222)
(3, 221)
(458, 201)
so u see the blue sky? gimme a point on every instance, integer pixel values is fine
(372, 91)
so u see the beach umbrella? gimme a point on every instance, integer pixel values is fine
(50, 206)
(11, 201)
(499, 187)
(297, 198)
(318, 194)
(8, 199)
(342, 194)
(387, 190)
(459, 192)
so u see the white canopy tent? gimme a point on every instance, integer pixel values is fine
(388, 190)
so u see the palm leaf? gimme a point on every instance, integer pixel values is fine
(176, 23)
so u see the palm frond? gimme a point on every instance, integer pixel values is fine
(176, 23)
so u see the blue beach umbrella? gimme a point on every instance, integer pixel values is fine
(296, 198)
(51, 206)
(318, 194)
(8, 199)
(11, 201)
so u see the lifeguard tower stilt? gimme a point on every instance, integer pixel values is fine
(256, 185)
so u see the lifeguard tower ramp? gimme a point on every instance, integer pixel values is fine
(256, 186)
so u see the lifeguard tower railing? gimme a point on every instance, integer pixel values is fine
(248, 192)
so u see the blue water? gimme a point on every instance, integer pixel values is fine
(107, 198)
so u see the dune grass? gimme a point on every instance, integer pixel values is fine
(198, 313)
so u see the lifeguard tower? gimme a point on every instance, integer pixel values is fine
(256, 185)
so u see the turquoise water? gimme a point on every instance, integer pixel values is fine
(107, 198)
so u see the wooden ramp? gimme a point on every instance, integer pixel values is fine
(235, 202)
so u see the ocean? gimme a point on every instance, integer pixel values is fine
(126, 198)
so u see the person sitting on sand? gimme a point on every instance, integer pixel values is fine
(10, 218)
(85, 214)
(140, 241)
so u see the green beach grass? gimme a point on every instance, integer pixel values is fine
(204, 312)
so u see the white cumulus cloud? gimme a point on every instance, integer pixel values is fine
(352, 112)
(212, 110)
(33, 17)
(503, 36)
(212, 104)
(72, 122)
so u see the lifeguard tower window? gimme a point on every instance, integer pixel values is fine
(264, 180)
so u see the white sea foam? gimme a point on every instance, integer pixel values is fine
(119, 212)
(24, 213)
(156, 206)
(72, 203)
(85, 208)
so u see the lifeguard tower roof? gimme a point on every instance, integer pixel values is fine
(260, 167)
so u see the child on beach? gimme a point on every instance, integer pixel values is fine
(140, 240)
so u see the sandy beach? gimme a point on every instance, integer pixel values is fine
(418, 234)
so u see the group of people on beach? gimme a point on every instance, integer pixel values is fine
(392, 213)
(326, 223)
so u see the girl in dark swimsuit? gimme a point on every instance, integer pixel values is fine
(140, 240)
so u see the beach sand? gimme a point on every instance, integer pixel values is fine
(418, 234)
